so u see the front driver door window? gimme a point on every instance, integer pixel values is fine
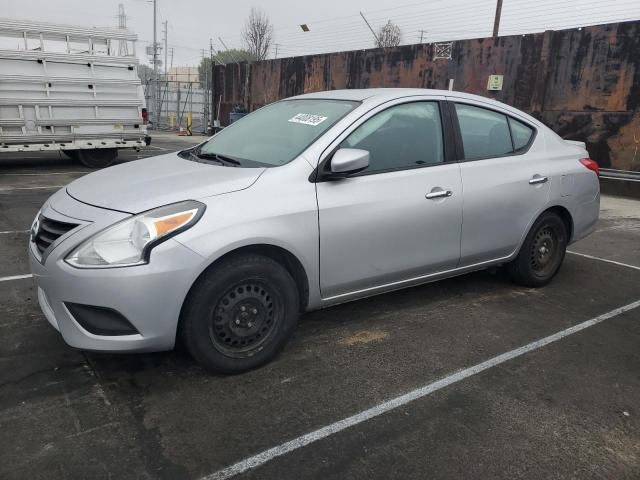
(404, 136)
(378, 227)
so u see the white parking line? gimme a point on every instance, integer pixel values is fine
(8, 232)
(11, 189)
(287, 447)
(15, 277)
(604, 260)
(37, 174)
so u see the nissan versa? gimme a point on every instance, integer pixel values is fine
(308, 202)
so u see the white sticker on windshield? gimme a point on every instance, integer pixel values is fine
(308, 119)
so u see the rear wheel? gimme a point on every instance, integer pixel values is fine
(240, 314)
(542, 252)
(97, 158)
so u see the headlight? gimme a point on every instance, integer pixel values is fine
(129, 242)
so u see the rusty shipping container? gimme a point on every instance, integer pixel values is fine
(584, 82)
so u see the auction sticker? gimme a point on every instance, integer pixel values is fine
(308, 119)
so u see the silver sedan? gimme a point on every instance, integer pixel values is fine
(311, 201)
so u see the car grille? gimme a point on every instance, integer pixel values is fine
(49, 231)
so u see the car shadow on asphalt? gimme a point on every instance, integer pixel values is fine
(330, 322)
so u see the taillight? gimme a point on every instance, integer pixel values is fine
(591, 165)
(145, 116)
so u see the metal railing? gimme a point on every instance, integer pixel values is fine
(626, 175)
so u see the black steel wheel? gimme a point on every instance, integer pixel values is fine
(244, 319)
(542, 252)
(240, 313)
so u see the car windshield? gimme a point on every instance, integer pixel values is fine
(275, 134)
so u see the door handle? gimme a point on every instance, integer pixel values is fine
(537, 179)
(438, 194)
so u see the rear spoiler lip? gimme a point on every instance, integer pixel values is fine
(577, 143)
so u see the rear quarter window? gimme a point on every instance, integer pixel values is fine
(521, 134)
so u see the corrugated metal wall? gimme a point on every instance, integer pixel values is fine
(583, 83)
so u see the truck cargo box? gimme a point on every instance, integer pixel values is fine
(69, 88)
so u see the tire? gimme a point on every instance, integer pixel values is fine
(71, 154)
(542, 252)
(98, 157)
(240, 314)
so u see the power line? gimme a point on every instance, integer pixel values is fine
(331, 30)
(472, 25)
(346, 33)
(445, 14)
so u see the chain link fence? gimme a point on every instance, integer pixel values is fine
(183, 105)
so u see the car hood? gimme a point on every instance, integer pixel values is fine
(140, 185)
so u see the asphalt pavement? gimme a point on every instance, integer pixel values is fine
(471, 377)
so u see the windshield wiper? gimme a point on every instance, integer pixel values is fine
(223, 160)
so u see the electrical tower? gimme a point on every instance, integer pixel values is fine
(123, 48)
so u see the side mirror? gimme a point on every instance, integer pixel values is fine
(347, 161)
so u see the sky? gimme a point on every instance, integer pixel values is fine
(335, 25)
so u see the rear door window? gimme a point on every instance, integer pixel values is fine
(485, 133)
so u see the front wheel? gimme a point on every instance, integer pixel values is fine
(240, 314)
(541, 253)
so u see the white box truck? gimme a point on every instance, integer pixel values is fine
(70, 89)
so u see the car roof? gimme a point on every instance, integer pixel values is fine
(381, 95)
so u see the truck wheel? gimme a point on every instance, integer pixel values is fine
(71, 154)
(541, 253)
(240, 314)
(97, 158)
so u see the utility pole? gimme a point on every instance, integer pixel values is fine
(374, 33)
(166, 81)
(496, 23)
(205, 92)
(155, 63)
(165, 48)
(210, 108)
(277, 45)
(422, 33)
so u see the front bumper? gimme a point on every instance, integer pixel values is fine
(149, 296)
